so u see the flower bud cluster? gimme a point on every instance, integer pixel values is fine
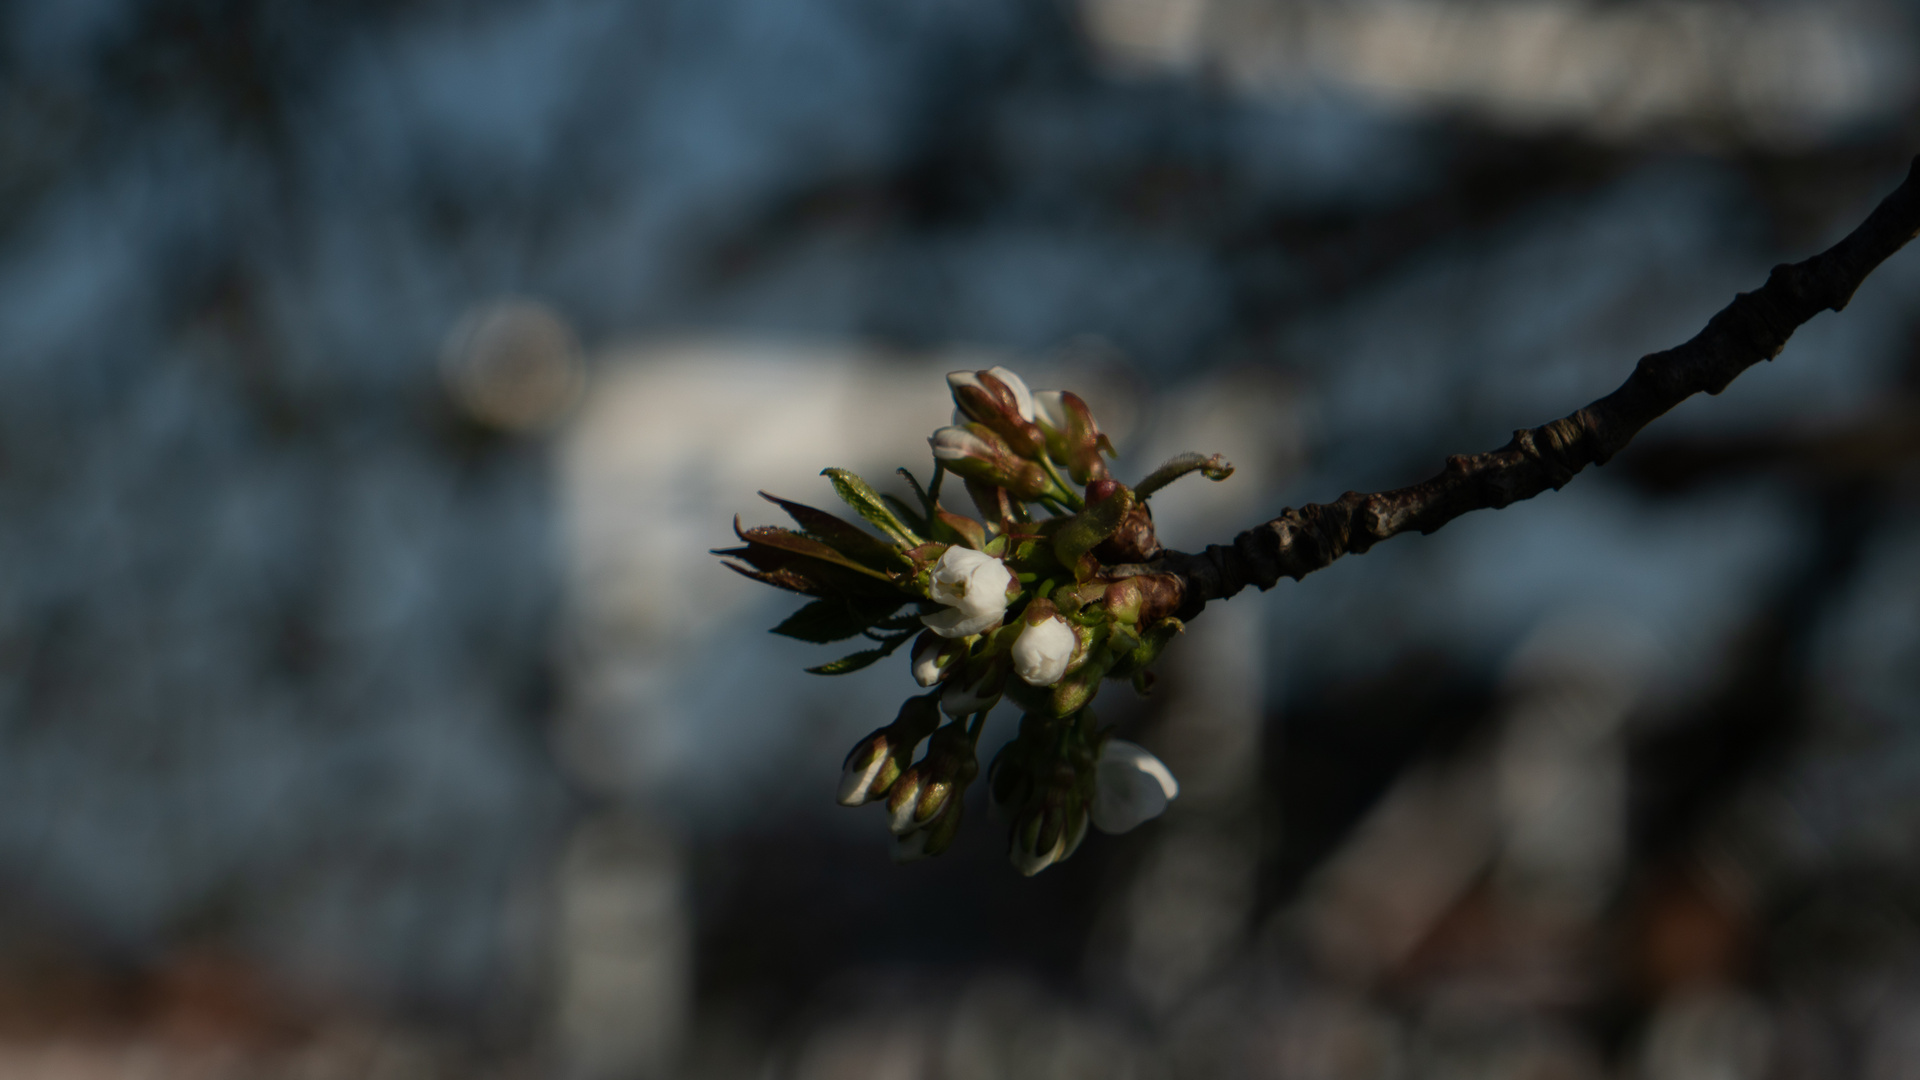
(925, 806)
(1050, 591)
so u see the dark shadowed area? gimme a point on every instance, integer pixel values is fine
(375, 378)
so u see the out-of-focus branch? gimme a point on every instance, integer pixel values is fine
(1754, 327)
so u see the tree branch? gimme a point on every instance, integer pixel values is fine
(1754, 327)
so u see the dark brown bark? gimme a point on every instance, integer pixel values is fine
(1754, 327)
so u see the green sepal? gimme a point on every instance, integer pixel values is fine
(1084, 531)
(867, 502)
(1152, 641)
(957, 528)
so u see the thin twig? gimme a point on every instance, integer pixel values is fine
(1754, 327)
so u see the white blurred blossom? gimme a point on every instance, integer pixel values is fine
(1131, 786)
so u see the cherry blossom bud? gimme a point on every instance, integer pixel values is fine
(1000, 400)
(974, 586)
(927, 789)
(977, 452)
(959, 442)
(933, 657)
(1072, 435)
(1041, 653)
(974, 688)
(1131, 786)
(1011, 395)
(935, 838)
(864, 767)
(878, 760)
(1046, 835)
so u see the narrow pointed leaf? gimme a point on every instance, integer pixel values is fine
(830, 619)
(840, 534)
(920, 493)
(856, 661)
(779, 579)
(867, 502)
(800, 544)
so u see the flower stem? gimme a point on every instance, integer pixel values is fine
(1065, 491)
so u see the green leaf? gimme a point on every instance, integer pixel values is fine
(794, 543)
(867, 502)
(780, 579)
(1084, 531)
(841, 535)
(853, 662)
(831, 619)
(858, 660)
(799, 562)
(926, 500)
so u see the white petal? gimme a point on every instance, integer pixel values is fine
(954, 443)
(855, 782)
(961, 561)
(1131, 786)
(1015, 383)
(973, 581)
(958, 379)
(1031, 863)
(1041, 652)
(928, 667)
(1050, 409)
(954, 622)
(901, 821)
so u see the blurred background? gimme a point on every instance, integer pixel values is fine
(375, 377)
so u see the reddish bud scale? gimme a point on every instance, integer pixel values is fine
(999, 411)
(1133, 542)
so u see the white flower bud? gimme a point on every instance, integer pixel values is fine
(1041, 652)
(1019, 387)
(955, 443)
(1028, 860)
(973, 691)
(1131, 786)
(1023, 398)
(1030, 863)
(862, 768)
(933, 657)
(974, 586)
(903, 803)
